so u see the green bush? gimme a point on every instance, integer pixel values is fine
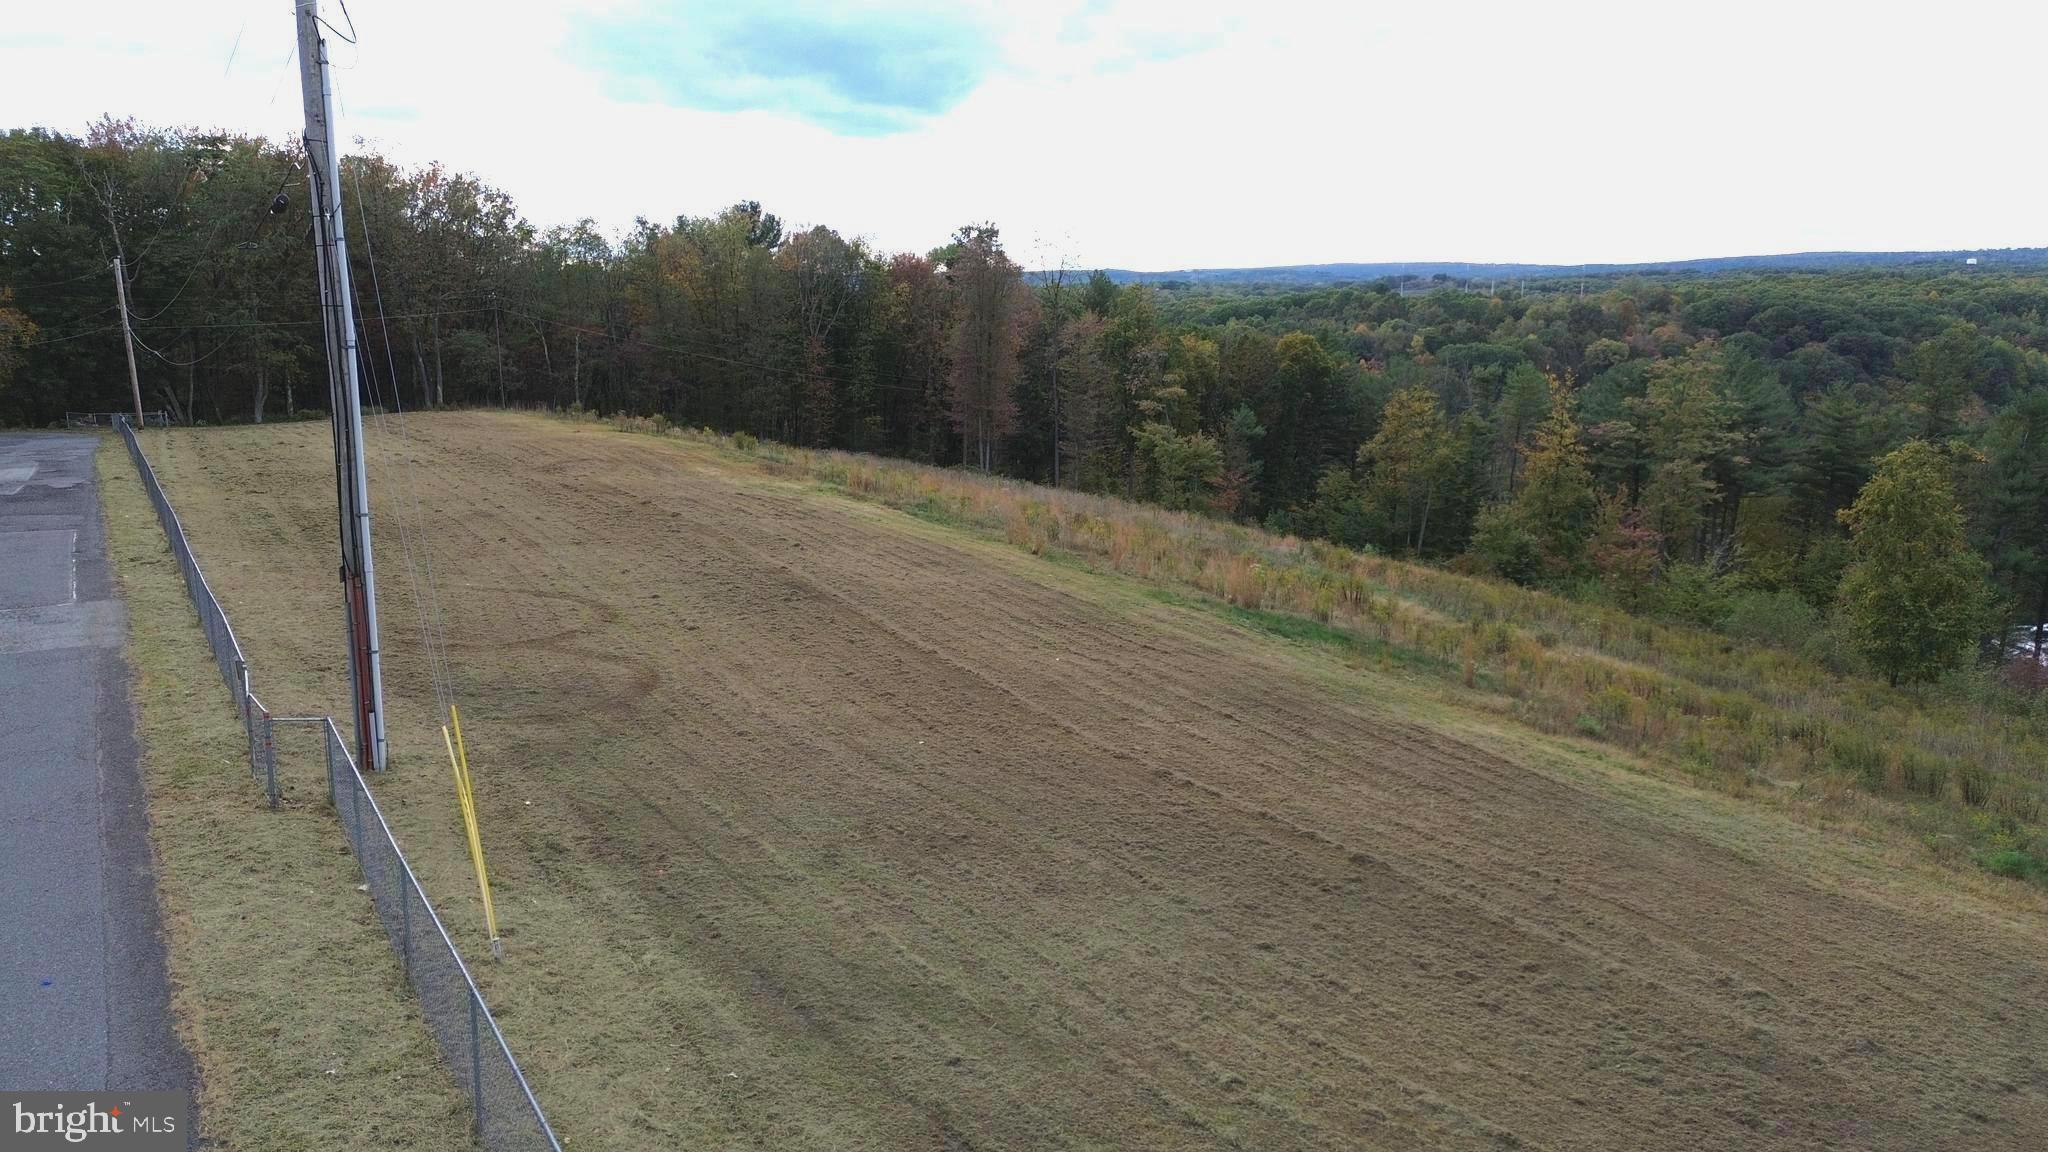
(744, 441)
(1505, 546)
(1694, 593)
(1781, 618)
(2016, 863)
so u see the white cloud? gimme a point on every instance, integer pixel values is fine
(1163, 135)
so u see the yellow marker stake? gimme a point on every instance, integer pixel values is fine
(458, 758)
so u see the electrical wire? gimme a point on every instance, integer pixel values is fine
(419, 562)
(72, 336)
(56, 283)
(789, 371)
(180, 363)
(351, 37)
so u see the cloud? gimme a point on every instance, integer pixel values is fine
(865, 71)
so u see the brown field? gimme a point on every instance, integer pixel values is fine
(819, 825)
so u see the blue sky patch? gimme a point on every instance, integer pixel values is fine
(865, 71)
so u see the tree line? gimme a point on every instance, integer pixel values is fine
(1746, 451)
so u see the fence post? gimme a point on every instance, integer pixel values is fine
(355, 799)
(270, 757)
(241, 674)
(476, 1068)
(404, 921)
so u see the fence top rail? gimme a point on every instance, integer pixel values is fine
(174, 528)
(363, 789)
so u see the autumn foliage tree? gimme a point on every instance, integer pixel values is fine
(985, 338)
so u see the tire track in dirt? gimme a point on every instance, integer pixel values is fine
(943, 847)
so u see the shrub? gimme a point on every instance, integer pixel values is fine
(2016, 863)
(744, 441)
(1505, 547)
(1781, 618)
(1694, 593)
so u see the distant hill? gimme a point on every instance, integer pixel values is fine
(1309, 274)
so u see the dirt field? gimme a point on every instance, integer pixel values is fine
(817, 825)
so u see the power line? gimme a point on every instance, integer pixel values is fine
(72, 336)
(181, 363)
(433, 624)
(97, 272)
(351, 36)
(791, 371)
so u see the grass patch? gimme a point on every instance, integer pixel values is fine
(1314, 633)
(285, 991)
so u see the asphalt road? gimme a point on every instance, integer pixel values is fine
(84, 1002)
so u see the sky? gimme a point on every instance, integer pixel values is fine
(1144, 134)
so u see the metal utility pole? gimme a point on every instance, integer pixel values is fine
(128, 339)
(344, 387)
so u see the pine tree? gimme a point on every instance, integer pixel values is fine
(1237, 489)
(1557, 502)
(1915, 597)
(1410, 458)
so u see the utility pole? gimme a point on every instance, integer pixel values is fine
(344, 389)
(128, 339)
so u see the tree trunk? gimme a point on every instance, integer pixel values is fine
(262, 393)
(498, 346)
(440, 378)
(1422, 530)
(419, 371)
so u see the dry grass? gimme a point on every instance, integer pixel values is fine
(1952, 770)
(821, 825)
(284, 988)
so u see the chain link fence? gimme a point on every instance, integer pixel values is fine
(220, 637)
(508, 1117)
(156, 419)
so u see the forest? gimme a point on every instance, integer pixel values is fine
(1853, 462)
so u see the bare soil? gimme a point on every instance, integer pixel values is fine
(815, 824)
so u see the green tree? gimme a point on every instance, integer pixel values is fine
(1175, 470)
(1946, 373)
(1687, 427)
(1237, 487)
(1523, 403)
(1557, 502)
(1408, 461)
(1914, 597)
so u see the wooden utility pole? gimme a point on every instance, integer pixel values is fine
(344, 390)
(128, 339)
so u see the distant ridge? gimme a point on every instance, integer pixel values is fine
(1309, 274)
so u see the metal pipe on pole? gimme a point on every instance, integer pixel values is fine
(337, 308)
